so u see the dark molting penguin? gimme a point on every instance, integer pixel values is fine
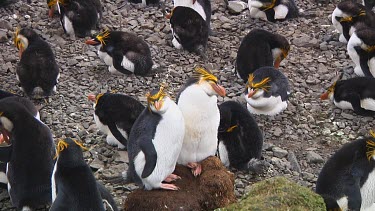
(23, 101)
(202, 7)
(189, 30)
(115, 115)
(273, 10)
(361, 49)
(347, 14)
(267, 91)
(197, 100)
(155, 142)
(73, 184)
(123, 52)
(346, 181)
(260, 48)
(357, 94)
(37, 70)
(30, 165)
(240, 138)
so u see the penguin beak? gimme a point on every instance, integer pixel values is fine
(50, 12)
(91, 42)
(4, 136)
(218, 89)
(251, 93)
(277, 62)
(158, 105)
(91, 98)
(324, 96)
(21, 51)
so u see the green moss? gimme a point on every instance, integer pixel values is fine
(278, 194)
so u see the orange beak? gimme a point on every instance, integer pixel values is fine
(218, 89)
(91, 98)
(277, 62)
(20, 52)
(158, 105)
(168, 16)
(251, 93)
(91, 42)
(4, 136)
(50, 12)
(324, 96)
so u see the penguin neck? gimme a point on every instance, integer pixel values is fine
(72, 159)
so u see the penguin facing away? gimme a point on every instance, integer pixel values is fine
(115, 115)
(37, 70)
(346, 182)
(155, 142)
(267, 91)
(240, 138)
(197, 100)
(273, 10)
(22, 100)
(260, 48)
(31, 160)
(123, 52)
(361, 49)
(357, 94)
(202, 7)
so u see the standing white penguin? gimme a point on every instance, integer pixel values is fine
(155, 142)
(198, 102)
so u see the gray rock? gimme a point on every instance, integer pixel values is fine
(313, 157)
(236, 7)
(3, 36)
(277, 131)
(278, 152)
(294, 162)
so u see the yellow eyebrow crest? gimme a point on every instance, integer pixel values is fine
(201, 73)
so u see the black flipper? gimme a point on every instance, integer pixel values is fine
(106, 197)
(117, 134)
(356, 103)
(117, 57)
(363, 61)
(151, 156)
(5, 153)
(352, 187)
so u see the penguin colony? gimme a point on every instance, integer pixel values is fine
(164, 132)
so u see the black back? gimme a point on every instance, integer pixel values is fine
(23, 101)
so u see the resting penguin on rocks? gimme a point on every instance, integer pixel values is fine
(123, 52)
(346, 181)
(260, 48)
(273, 10)
(115, 115)
(240, 139)
(347, 14)
(73, 184)
(267, 91)
(155, 142)
(361, 49)
(30, 164)
(197, 100)
(37, 70)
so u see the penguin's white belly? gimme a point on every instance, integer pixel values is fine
(337, 12)
(111, 140)
(371, 65)
(355, 41)
(256, 13)
(223, 154)
(368, 192)
(9, 185)
(68, 26)
(53, 182)
(343, 104)
(197, 7)
(127, 64)
(368, 104)
(268, 106)
(281, 11)
(343, 203)
(107, 59)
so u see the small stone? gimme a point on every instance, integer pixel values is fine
(277, 131)
(236, 7)
(3, 37)
(278, 152)
(313, 157)
(294, 162)
(96, 164)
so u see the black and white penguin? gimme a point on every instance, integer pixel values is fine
(267, 91)
(189, 30)
(347, 14)
(240, 138)
(115, 115)
(73, 184)
(260, 48)
(273, 10)
(30, 165)
(357, 94)
(37, 70)
(155, 142)
(346, 181)
(202, 7)
(78, 17)
(123, 52)
(361, 49)
(197, 100)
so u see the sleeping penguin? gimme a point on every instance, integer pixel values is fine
(73, 184)
(197, 100)
(189, 30)
(115, 115)
(21, 100)
(260, 48)
(123, 52)
(37, 70)
(267, 91)
(346, 181)
(202, 7)
(361, 49)
(273, 10)
(31, 160)
(357, 94)
(240, 139)
(155, 142)
(347, 14)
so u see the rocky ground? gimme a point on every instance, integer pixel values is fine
(297, 142)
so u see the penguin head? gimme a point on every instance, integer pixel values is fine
(256, 87)
(225, 119)
(370, 146)
(95, 98)
(331, 90)
(99, 39)
(208, 82)
(158, 100)
(52, 5)
(22, 39)
(69, 151)
(281, 51)
(349, 11)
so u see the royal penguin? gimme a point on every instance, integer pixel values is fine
(347, 14)
(346, 181)
(31, 161)
(155, 142)
(123, 52)
(361, 49)
(267, 91)
(115, 115)
(197, 100)
(22, 100)
(240, 138)
(189, 30)
(260, 48)
(37, 71)
(73, 184)
(273, 10)
(357, 94)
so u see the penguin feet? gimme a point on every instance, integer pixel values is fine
(169, 186)
(172, 178)
(196, 168)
